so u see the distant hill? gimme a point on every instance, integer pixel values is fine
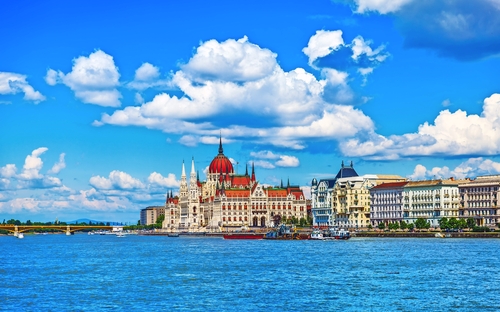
(87, 221)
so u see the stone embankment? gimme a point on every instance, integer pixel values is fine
(430, 234)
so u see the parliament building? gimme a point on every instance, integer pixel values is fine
(227, 201)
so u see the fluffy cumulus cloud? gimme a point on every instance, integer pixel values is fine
(94, 79)
(30, 176)
(58, 166)
(461, 29)
(116, 180)
(452, 133)
(239, 87)
(326, 49)
(322, 44)
(12, 83)
(270, 160)
(470, 168)
(147, 76)
(119, 192)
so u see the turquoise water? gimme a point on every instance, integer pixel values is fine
(136, 273)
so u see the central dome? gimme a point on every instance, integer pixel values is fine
(221, 164)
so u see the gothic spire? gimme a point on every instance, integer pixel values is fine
(221, 151)
(246, 169)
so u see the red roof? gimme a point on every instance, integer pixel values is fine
(276, 192)
(237, 193)
(240, 180)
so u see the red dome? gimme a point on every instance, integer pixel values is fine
(221, 164)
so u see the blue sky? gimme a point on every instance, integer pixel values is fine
(100, 104)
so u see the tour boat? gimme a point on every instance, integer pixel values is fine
(341, 234)
(243, 236)
(317, 235)
(20, 235)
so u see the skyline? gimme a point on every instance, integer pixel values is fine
(100, 107)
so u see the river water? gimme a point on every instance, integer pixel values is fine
(139, 273)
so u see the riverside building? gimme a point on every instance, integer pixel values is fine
(479, 200)
(150, 214)
(344, 201)
(228, 201)
(431, 200)
(386, 203)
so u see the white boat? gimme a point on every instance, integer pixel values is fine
(20, 235)
(317, 235)
(120, 234)
(340, 234)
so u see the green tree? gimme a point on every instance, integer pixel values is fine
(29, 222)
(410, 226)
(421, 223)
(453, 223)
(443, 223)
(370, 227)
(470, 223)
(393, 226)
(139, 222)
(462, 223)
(302, 222)
(403, 225)
(381, 225)
(160, 219)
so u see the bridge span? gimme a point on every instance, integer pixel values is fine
(69, 229)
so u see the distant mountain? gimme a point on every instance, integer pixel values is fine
(87, 221)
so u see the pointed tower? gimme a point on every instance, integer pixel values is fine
(183, 189)
(253, 172)
(193, 185)
(246, 170)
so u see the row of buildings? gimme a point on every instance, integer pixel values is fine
(228, 201)
(356, 202)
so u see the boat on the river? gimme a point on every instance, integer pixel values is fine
(20, 235)
(173, 235)
(340, 234)
(316, 234)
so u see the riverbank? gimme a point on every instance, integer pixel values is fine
(429, 234)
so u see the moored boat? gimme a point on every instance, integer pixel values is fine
(317, 235)
(340, 234)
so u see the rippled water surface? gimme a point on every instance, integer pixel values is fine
(91, 273)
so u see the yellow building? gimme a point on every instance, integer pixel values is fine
(351, 199)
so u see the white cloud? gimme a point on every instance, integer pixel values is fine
(470, 168)
(169, 181)
(231, 60)
(323, 43)
(451, 134)
(12, 83)
(288, 161)
(116, 180)
(147, 72)
(361, 47)
(264, 164)
(224, 79)
(8, 171)
(381, 6)
(93, 79)
(280, 160)
(264, 155)
(148, 76)
(33, 164)
(58, 166)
